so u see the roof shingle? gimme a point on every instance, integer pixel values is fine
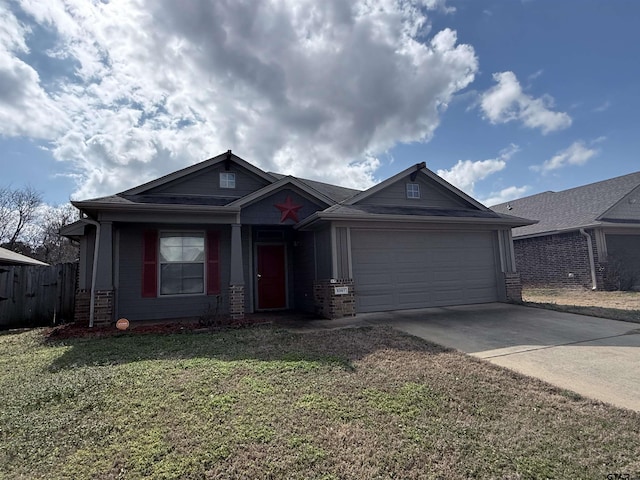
(569, 209)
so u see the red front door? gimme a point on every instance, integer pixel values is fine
(271, 277)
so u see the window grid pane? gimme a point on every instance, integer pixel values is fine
(182, 257)
(413, 190)
(227, 180)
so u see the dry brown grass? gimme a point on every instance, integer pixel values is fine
(267, 403)
(615, 305)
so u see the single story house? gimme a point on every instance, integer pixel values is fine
(587, 236)
(225, 234)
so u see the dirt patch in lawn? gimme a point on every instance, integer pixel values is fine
(615, 305)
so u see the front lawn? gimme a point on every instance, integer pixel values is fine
(267, 403)
(615, 305)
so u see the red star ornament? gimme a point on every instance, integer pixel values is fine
(288, 209)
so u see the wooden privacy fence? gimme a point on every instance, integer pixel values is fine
(37, 295)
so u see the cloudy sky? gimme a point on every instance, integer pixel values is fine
(502, 98)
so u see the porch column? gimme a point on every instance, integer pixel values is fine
(104, 294)
(512, 281)
(104, 279)
(236, 279)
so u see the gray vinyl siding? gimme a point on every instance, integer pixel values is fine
(431, 195)
(264, 212)
(305, 268)
(342, 251)
(207, 182)
(87, 246)
(626, 209)
(133, 306)
(323, 253)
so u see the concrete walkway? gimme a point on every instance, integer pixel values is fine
(595, 357)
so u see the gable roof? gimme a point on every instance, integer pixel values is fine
(334, 192)
(223, 157)
(338, 202)
(283, 182)
(571, 209)
(418, 169)
(7, 257)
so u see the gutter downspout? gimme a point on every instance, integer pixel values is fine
(94, 271)
(592, 262)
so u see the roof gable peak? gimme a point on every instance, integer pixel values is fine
(227, 158)
(279, 184)
(413, 172)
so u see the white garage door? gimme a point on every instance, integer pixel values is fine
(395, 270)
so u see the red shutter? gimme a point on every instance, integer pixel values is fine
(150, 264)
(213, 263)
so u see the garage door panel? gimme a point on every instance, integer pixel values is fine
(371, 258)
(416, 269)
(411, 278)
(371, 280)
(477, 276)
(373, 303)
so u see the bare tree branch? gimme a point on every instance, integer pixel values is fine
(51, 246)
(18, 208)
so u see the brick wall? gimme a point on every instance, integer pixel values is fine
(560, 260)
(513, 286)
(83, 300)
(103, 308)
(330, 305)
(236, 302)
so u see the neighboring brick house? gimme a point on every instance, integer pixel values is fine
(587, 236)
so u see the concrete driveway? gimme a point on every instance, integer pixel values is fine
(594, 357)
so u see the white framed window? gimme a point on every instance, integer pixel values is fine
(413, 190)
(181, 259)
(227, 180)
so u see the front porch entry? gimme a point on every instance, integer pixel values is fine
(271, 277)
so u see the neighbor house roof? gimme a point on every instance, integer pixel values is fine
(569, 209)
(7, 257)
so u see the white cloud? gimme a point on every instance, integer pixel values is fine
(535, 75)
(312, 89)
(506, 102)
(25, 108)
(576, 154)
(603, 106)
(505, 195)
(466, 173)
